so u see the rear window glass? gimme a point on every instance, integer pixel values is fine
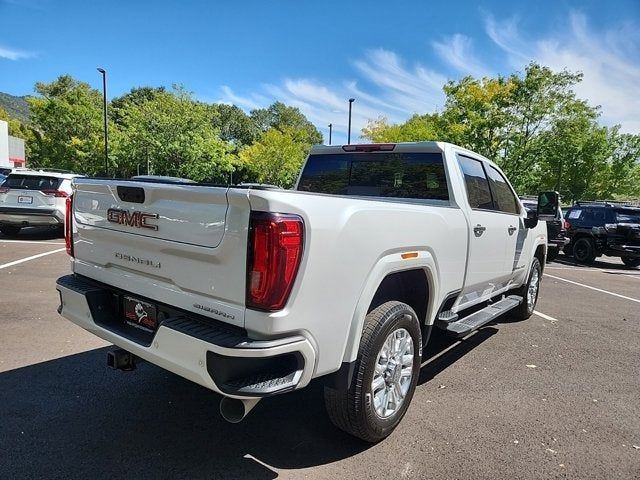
(388, 174)
(627, 216)
(32, 182)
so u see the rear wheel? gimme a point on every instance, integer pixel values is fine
(10, 230)
(584, 250)
(385, 376)
(631, 262)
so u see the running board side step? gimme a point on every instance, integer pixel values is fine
(468, 324)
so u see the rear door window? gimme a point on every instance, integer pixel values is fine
(32, 182)
(478, 191)
(380, 174)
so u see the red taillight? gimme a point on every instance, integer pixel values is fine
(567, 225)
(275, 250)
(369, 147)
(55, 193)
(68, 225)
(4, 189)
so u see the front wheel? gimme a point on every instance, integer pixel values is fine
(385, 376)
(529, 292)
(631, 262)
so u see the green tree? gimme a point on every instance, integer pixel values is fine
(276, 157)
(234, 125)
(171, 134)
(283, 117)
(68, 116)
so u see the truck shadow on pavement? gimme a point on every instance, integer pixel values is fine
(74, 418)
(36, 233)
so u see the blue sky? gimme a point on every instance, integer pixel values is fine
(393, 57)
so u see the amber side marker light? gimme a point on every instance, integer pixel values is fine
(408, 255)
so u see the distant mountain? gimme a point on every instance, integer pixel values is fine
(16, 107)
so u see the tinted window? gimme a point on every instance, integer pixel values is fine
(397, 175)
(503, 198)
(627, 216)
(476, 182)
(32, 182)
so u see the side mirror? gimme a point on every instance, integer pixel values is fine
(548, 205)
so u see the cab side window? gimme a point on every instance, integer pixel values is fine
(503, 197)
(475, 180)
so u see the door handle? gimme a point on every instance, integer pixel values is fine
(478, 230)
(511, 229)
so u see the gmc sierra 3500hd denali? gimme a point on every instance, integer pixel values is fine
(255, 291)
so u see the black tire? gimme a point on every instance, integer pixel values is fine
(631, 262)
(525, 309)
(352, 409)
(552, 254)
(10, 230)
(584, 251)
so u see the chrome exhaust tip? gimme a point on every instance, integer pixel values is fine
(233, 410)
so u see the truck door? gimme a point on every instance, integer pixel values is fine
(492, 234)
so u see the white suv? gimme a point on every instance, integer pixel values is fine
(33, 198)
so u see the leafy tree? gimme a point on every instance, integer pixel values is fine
(276, 157)
(283, 117)
(136, 96)
(234, 125)
(20, 130)
(418, 128)
(68, 115)
(171, 134)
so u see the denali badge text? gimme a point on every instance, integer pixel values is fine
(139, 260)
(132, 219)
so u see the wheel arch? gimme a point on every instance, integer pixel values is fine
(415, 281)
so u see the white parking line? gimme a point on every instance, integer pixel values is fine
(593, 288)
(32, 257)
(546, 317)
(582, 269)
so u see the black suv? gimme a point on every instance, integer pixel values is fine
(556, 231)
(604, 228)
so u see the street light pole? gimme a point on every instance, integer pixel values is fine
(106, 131)
(351, 100)
(330, 128)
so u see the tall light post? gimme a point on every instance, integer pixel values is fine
(106, 131)
(330, 128)
(351, 100)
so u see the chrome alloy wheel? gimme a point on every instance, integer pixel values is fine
(532, 291)
(393, 373)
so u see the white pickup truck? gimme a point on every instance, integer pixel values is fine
(253, 291)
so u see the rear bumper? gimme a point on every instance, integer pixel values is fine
(204, 351)
(25, 217)
(558, 242)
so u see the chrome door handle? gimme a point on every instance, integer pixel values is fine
(511, 229)
(478, 230)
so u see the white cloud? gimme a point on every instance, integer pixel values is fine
(384, 84)
(608, 60)
(13, 54)
(393, 90)
(457, 51)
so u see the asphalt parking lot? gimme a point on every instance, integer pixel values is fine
(556, 396)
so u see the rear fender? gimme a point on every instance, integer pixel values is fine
(391, 263)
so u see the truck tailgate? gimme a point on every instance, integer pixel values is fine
(183, 245)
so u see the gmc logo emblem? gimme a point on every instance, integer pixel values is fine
(132, 219)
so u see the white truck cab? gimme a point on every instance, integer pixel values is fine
(254, 291)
